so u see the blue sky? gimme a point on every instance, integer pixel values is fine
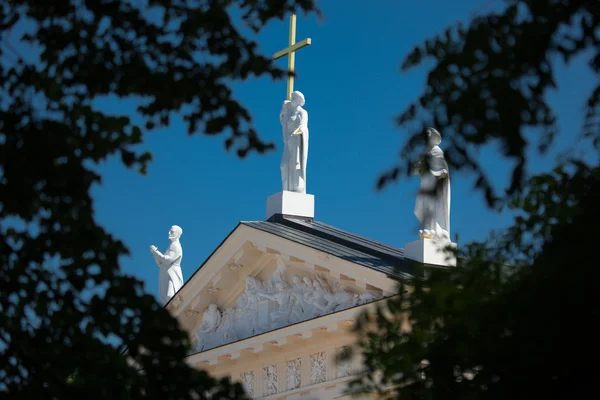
(354, 88)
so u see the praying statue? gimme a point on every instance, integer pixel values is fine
(170, 278)
(432, 208)
(294, 123)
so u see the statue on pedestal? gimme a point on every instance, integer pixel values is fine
(432, 208)
(170, 277)
(294, 123)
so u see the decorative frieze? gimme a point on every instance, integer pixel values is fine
(247, 379)
(234, 266)
(294, 374)
(270, 380)
(344, 365)
(318, 368)
(191, 313)
(273, 304)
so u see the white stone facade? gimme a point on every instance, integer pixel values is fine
(298, 361)
(308, 371)
(283, 299)
(288, 342)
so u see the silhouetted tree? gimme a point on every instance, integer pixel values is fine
(66, 309)
(514, 318)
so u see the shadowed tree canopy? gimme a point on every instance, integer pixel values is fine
(66, 309)
(514, 318)
(490, 81)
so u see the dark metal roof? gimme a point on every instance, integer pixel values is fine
(347, 246)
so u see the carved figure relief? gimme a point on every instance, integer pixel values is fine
(264, 306)
(205, 333)
(344, 367)
(248, 382)
(270, 380)
(294, 374)
(318, 368)
(227, 329)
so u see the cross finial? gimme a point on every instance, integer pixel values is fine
(290, 52)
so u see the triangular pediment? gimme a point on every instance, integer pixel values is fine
(259, 280)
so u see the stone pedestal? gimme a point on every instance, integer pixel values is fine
(430, 251)
(291, 203)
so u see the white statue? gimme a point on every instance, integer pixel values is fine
(170, 277)
(206, 333)
(294, 123)
(432, 208)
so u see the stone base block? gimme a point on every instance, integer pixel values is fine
(291, 203)
(430, 251)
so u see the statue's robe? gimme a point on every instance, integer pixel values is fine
(432, 208)
(170, 277)
(295, 151)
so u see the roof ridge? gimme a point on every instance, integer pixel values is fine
(396, 267)
(359, 242)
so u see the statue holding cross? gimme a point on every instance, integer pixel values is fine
(294, 122)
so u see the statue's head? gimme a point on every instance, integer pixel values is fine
(212, 307)
(433, 137)
(297, 98)
(175, 232)
(296, 279)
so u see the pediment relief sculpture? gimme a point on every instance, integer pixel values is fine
(269, 305)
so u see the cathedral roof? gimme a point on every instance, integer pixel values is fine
(345, 245)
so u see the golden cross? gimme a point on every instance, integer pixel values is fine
(290, 51)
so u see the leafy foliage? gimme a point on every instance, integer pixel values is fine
(491, 329)
(66, 310)
(490, 80)
(513, 319)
